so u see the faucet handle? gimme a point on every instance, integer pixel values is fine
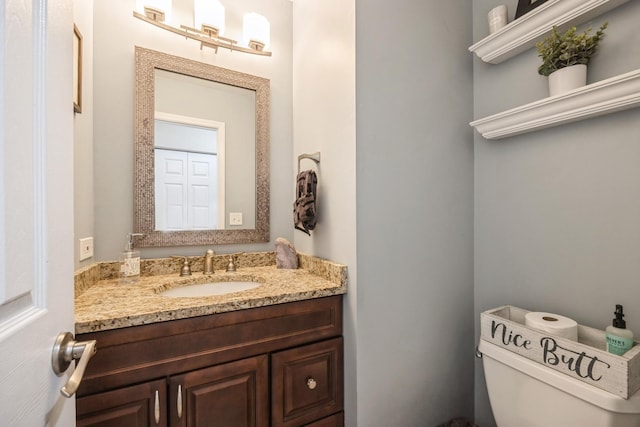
(186, 267)
(231, 267)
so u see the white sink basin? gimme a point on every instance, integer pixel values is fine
(209, 289)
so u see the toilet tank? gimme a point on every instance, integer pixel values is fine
(524, 393)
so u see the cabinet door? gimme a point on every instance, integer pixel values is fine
(142, 405)
(335, 420)
(307, 383)
(234, 394)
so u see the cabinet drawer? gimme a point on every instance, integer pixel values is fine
(307, 383)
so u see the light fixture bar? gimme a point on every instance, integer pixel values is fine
(207, 34)
(197, 35)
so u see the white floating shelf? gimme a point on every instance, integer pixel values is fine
(606, 96)
(524, 32)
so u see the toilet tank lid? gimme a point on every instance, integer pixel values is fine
(579, 389)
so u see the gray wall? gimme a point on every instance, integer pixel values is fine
(557, 211)
(114, 103)
(83, 220)
(414, 212)
(324, 121)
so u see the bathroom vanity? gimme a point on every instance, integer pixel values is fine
(270, 356)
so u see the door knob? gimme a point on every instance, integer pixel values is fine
(65, 350)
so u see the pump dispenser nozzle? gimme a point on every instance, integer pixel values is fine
(619, 322)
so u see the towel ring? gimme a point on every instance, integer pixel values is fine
(315, 157)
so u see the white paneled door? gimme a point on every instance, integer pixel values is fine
(203, 195)
(36, 208)
(186, 190)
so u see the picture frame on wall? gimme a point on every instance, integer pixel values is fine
(526, 6)
(77, 70)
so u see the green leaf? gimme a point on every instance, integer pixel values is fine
(562, 50)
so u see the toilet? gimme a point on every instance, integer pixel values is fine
(524, 393)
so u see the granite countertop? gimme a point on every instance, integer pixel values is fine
(111, 304)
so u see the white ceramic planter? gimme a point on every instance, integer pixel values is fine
(566, 79)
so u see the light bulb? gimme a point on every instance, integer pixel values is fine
(256, 28)
(209, 13)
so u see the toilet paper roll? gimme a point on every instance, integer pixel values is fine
(553, 324)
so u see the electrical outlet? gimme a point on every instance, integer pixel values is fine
(235, 218)
(86, 248)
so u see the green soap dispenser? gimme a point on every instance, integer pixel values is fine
(130, 267)
(619, 339)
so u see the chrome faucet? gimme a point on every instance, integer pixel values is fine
(208, 262)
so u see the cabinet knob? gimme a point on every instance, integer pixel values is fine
(311, 383)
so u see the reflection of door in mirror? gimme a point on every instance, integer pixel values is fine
(189, 173)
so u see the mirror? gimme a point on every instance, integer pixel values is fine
(201, 153)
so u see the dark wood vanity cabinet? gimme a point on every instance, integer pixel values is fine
(280, 366)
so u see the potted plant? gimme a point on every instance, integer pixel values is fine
(565, 57)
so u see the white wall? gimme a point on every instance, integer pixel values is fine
(414, 212)
(556, 211)
(116, 34)
(324, 121)
(83, 135)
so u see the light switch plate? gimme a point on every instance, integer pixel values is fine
(86, 248)
(235, 218)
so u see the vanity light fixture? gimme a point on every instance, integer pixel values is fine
(209, 23)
